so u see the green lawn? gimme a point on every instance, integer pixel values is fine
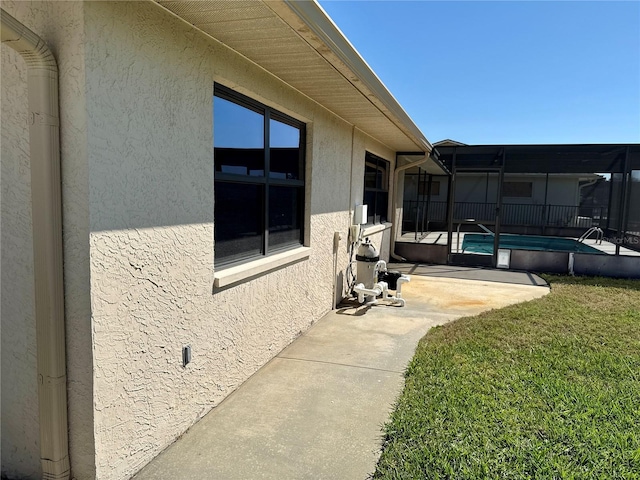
(544, 389)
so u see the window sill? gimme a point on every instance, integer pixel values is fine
(234, 275)
(372, 229)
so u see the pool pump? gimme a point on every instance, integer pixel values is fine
(374, 280)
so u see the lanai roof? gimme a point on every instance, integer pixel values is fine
(588, 158)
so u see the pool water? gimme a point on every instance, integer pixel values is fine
(483, 243)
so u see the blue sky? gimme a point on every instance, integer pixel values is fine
(505, 72)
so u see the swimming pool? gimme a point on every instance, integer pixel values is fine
(483, 243)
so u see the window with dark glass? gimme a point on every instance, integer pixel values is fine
(517, 189)
(376, 188)
(259, 178)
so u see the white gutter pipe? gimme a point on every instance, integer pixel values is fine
(588, 184)
(44, 144)
(394, 225)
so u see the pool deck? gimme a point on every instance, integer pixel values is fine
(440, 238)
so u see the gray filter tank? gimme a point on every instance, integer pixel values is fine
(366, 258)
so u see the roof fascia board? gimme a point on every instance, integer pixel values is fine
(321, 25)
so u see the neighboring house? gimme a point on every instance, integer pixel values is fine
(529, 199)
(447, 142)
(524, 196)
(212, 153)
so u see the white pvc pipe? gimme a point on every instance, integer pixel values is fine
(44, 145)
(369, 295)
(381, 266)
(398, 297)
(367, 292)
(401, 280)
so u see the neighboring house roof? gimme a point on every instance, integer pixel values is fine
(449, 143)
(297, 42)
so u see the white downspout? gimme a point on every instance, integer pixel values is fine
(46, 200)
(588, 184)
(394, 225)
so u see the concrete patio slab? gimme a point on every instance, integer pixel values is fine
(316, 410)
(470, 273)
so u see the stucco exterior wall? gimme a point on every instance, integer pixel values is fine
(60, 24)
(150, 155)
(562, 191)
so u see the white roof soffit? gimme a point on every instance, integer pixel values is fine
(297, 42)
(346, 59)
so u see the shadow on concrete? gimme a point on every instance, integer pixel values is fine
(470, 273)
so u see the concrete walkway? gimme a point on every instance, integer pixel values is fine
(316, 411)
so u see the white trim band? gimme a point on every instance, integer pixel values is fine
(233, 275)
(373, 229)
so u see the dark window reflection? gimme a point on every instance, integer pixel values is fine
(382, 178)
(376, 186)
(370, 201)
(238, 137)
(382, 200)
(370, 174)
(259, 182)
(285, 215)
(284, 143)
(238, 214)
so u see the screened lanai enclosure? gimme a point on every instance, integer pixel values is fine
(548, 208)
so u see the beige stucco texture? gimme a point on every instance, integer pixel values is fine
(136, 94)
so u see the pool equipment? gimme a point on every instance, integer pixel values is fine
(597, 230)
(374, 280)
